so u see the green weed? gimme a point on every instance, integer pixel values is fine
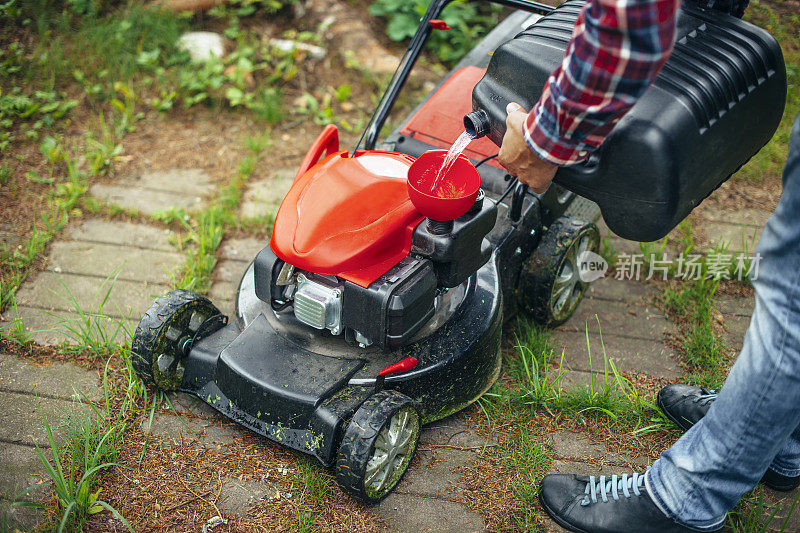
(539, 387)
(15, 330)
(691, 305)
(770, 160)
(93, 329)
(469, 23)
(75, 501)
(755, 515)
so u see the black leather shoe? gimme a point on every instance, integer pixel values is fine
(686, 405)
(619, 504)
(779, 482)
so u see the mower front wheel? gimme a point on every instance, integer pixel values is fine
(167, 331)
(550, 285)
(378, 446)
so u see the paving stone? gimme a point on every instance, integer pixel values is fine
(609, 288)
(735, 306)
(747, 216)
(207, 433)
(435, 472)
(53, 327)
(122, 233)
(185, 181)
(145, 201)
(784, 500)
(158, 190)
(21, 468)
(734, 237)
(183, 403)
(263, 197)
(582, 468)
(58, 380)
(452, 431)
(128, 299)
(241, 249)
(21, 417)
(22, 518)
(619, 318)
(577, 379)
(114, 262)
(628, 354)
(579, 449)
(575, 445)
(236, 497)
(406, 513)
(735, 330)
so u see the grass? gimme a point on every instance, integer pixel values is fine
(691, 306)
(206, 228)
(526, 453)
(755, 515)
(313, 483)
(99, 149)
(769, 161)
(92, 329)
(92, 440)
(609, 395)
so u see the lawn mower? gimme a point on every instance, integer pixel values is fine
(377, 306)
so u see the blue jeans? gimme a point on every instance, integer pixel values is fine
(755, 422)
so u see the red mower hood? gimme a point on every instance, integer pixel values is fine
(348, 216)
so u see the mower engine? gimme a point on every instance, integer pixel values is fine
(355, 257)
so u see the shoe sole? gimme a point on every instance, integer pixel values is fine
(781, 488)
(557, 519)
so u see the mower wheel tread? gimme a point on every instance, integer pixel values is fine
(157, 322)
(542, 268)
(357, 444)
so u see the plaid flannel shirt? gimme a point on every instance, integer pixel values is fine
(617, 49)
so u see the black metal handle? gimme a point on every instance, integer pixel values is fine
(412, 53)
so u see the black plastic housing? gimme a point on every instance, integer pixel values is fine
(395, 306)
(457, 254)
(717, 101)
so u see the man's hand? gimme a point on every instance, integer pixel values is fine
(518, 158)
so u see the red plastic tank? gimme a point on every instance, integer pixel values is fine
(348, 216)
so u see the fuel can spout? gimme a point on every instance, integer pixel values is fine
(477, 124)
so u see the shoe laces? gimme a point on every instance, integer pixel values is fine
(613, 486)
(706, 396)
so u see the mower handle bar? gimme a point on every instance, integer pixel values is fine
(412, 53)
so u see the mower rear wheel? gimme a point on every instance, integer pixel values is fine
(165, 333)
(378, 446)
(550, 284)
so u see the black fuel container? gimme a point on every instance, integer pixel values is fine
(717, 101)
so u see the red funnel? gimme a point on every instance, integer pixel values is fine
(454, 195)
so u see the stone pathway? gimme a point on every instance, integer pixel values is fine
(156, 191)
(29, 392)
(105, 272)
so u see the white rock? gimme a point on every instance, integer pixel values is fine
(202, 45)
(285, 45)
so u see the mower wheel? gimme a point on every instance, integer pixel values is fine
(550, 285)
(378, 446)
(165, 334)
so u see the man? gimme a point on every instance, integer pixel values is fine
(750, 430)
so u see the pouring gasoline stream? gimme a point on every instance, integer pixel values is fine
(452, 154)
